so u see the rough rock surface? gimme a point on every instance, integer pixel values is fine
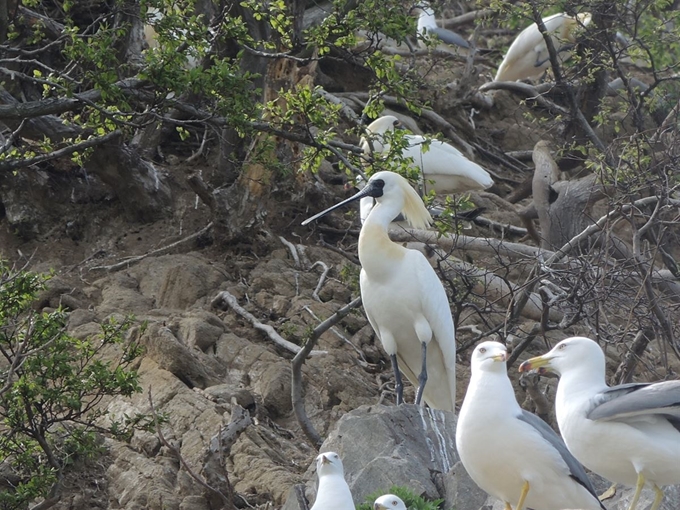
(382, 446)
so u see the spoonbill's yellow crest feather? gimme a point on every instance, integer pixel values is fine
(414, 210)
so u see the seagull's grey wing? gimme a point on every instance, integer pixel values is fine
(631, 400)
(576, 470)
(449, 37)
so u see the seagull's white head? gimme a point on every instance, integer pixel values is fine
(389, 502)
(329, 463)
(575, 353)
(489, 357)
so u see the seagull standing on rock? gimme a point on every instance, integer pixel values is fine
(333, 492)
(629, 434)
(510, 453)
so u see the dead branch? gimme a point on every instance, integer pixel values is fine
(299, 359)
(625, 370)
(225, 500)
(322, 279)
(526, 91)
(292, 250)
(133, 260)
(224, 299)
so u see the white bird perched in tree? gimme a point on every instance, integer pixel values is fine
(629, 434)
(528, 57)
(389, 502)
(443, 168)
(510, 453)
(333, 492)
(427, 27)
(404, 299)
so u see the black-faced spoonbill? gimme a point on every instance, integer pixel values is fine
(333, 492)
(403, 298)
(629, 434)
(528, 56)
(427, 27)
(510, 453)
(443, 168)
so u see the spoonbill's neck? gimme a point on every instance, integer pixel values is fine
(376, 250)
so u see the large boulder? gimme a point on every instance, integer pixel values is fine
(413, 446)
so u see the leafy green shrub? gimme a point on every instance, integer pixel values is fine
(51, 388)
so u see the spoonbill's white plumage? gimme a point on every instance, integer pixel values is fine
(528, 58)
(510, 453)
(427, 27)
(629, 434)
(443, 168)
(403, 298)
(333, 492)
(389, 502)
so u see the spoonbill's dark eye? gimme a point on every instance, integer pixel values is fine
(379, 183)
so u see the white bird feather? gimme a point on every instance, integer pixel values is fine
(427, 27)
(389, 502)
(403, 298)
(528, 58)
(629, 434)
(333, 492)
(510, 453)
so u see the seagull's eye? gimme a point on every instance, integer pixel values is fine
(336, 456)
(394, 502)
(561, 347)
(482, 350)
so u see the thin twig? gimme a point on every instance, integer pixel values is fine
(299, 359)
(322, 279)
(133, 260)
(226, 298)
(181, 459)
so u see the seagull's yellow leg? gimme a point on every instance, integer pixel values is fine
(657, 498)
(638, 489)
(522, 496)
(507, 506)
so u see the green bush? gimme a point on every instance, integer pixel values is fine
(51, 388)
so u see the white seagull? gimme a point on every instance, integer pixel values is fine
(629, 434)
(510, 453)
(427, 27)
(528, 56)
(333, 492)
(389, 502)
(404, 299)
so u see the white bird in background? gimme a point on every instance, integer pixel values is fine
(333, 492)
(443, 168)
(404, 299)
(528, 58)
(427, 28)
(629, 434)
(510, 453)
(389, 502)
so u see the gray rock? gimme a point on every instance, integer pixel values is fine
(383, 446)
(415, 447)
